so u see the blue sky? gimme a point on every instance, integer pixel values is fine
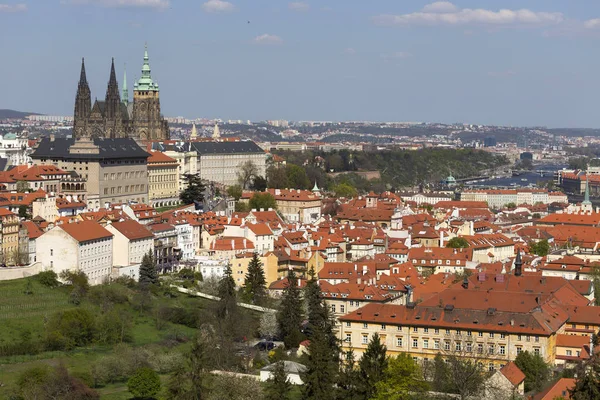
(491, 62)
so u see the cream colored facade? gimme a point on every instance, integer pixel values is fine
(223, 168)
(45, 207)
(119, 180)
(129, 252)
(163, 182)
(58, 251)
(187, 164)
(493, 349)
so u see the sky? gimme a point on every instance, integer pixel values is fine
(502, 62)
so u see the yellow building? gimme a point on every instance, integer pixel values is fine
(10, 236)
(492, 337)
(239, 267)
(163, 180)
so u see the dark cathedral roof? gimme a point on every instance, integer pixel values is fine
(124, 110)
(226, 147)
(109, 149)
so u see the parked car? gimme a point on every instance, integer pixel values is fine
(265, 345)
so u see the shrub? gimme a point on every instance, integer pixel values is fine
(144, 384)
(48, 278)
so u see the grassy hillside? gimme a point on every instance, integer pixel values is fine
(27, 309)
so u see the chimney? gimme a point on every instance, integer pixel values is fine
(442, 239)
(232, 244)
(518, 264)
(465, 283)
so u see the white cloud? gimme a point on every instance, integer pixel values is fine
(350, 51)
(396, 55)
(268, 39)
(216, 6)
(592, 23)
(298, 6)
(10, 8)
(157, 4)
(432, 15)
(440, 7)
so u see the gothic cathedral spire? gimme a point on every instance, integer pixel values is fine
(113, 100)
(125, 90)
(83, 104)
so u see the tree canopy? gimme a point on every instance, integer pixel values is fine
(262, 200)
(536, 371)
(457, 243)
(144, 384)
(194, 191)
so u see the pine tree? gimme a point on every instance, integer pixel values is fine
(290, 314)
(255, 289)
(227, 305)
(372, 366)
(278, 386)
(194, 191)
(347, 385)
(322, 364)
(148, 273)
(322, 368)
(587, 385)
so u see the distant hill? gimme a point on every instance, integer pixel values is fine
(15, 114)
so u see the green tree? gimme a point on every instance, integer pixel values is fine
(227, 304)
(148, 273)
(22, 186)
(510, 206)
(322, 362)
(191, 381)
(262, 200)
(587, 383)
(372, 365)
(23, 211)
(457, 243)
(345, 190)
(467, 376)
(194, 190)
(348, 385)
(144, 384)
(541, 248)
(297, 177)
(441, 381)
(259, 184)
(578, 163)
(290, 314)
(402, 378)
(48, 279)
(278, 386)
(536, 371)
(76, 326)
(255, 289)
(277, 177)
(235, 191)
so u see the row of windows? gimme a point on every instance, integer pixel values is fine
(119, 189)
(416, 329)
(162, 178)
(124, 175)
(439, 262)
(435, 344)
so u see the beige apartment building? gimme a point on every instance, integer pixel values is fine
(10, 237)
(492, 337)
(114, 170)
(163, 180)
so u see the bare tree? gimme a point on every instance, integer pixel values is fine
(246, 172)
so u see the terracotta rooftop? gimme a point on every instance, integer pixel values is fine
(84, 231)
(513, 373)
(133, 230)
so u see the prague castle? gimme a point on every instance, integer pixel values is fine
(116, 117)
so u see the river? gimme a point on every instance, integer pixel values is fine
(523, 180)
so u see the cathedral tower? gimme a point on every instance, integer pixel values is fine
(83, 104)
(147, 119)
(125, 90)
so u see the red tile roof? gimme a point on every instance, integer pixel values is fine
(514, 375)
(84, 231)
(560, 389)
(133, 230)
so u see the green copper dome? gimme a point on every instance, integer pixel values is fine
(145, 83)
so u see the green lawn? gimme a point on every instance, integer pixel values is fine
(20, 312)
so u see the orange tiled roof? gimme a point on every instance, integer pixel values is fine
(84, 231)
(133, 230)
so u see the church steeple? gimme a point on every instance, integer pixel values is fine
(113, 100)
(83, 104)
(586, 205)
(125, 90)
(145, 83)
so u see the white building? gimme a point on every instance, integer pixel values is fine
(131, 242)
(15, 149)
(292, 370)
(85, 246)
(211, 268)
